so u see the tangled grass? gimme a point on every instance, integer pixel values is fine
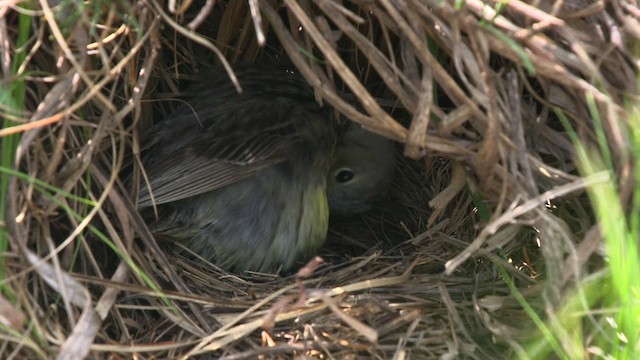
(488, 246)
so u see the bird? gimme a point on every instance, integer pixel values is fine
(241, 178)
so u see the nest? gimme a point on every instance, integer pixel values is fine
(485, 235)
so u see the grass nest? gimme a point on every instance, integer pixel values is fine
(478, 251)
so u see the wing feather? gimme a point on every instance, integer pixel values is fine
(216, 140)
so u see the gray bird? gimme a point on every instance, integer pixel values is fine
(241, 179)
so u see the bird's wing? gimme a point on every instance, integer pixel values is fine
(192, 177)
(188, 155)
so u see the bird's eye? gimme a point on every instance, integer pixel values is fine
(344, 175)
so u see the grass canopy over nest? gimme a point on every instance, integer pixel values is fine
(511, 228)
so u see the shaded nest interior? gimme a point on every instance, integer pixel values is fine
(486, 194)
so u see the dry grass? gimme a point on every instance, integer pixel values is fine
(470, 90)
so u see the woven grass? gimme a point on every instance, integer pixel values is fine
(487, 211)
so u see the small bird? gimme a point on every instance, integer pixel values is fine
(241, 178)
